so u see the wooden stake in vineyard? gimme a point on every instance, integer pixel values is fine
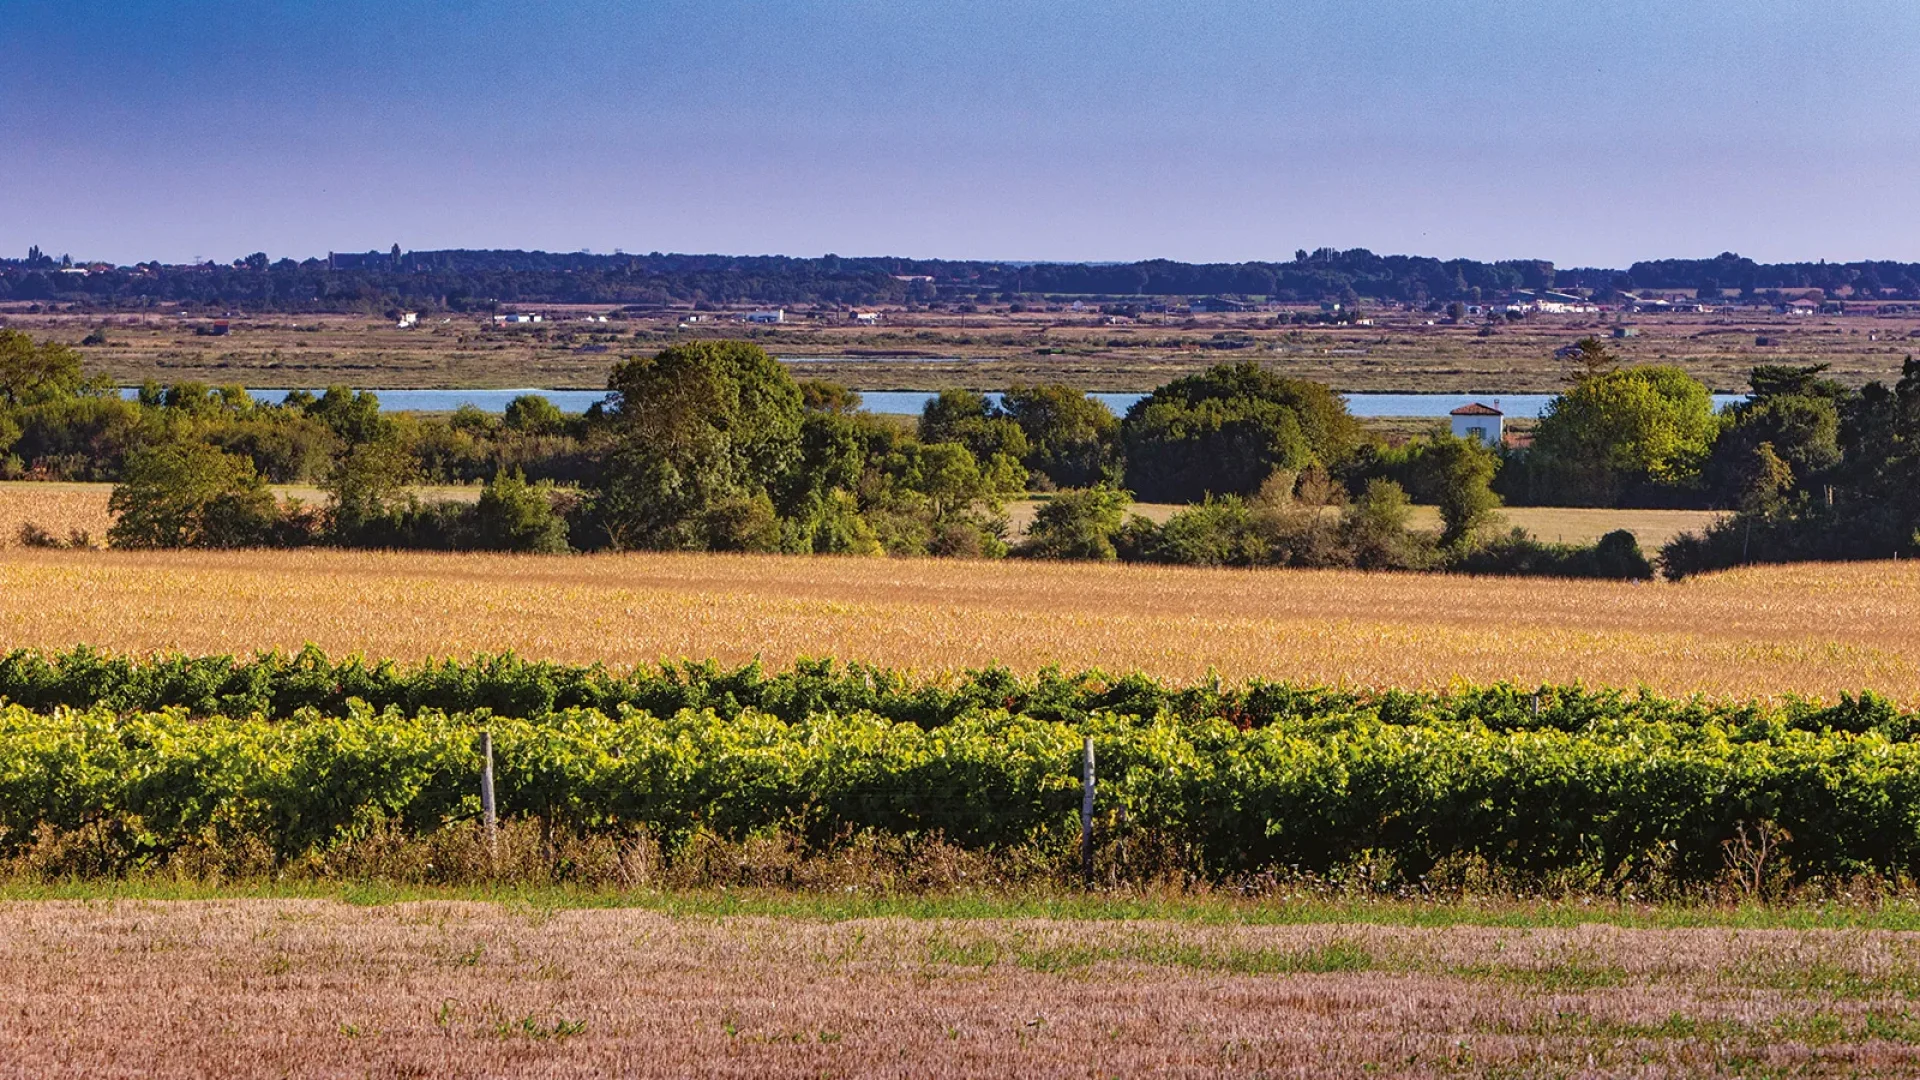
(1086, 814)
(488, 810)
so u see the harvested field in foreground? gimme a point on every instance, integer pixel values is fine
(1812, 629)
(319, 988)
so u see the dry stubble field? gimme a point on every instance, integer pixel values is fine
(1812, 629)
(320, 988)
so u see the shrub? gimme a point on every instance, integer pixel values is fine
(513, 515)
(190, 495)
(1616, 555)
(1224, 431)
(1217, 532)
(1077, 524)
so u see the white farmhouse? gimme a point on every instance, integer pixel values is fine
(1477, 421)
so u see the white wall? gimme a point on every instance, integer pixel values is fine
(1491, 428)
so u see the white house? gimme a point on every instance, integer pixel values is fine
(408, 319)
(867, 318)
(1477, 421)
(777, 315)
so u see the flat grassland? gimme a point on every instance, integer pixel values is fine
(301, 987)
(1809, 629)
(1404, 350)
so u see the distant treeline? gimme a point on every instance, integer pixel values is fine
(714, 446)
(460, 280)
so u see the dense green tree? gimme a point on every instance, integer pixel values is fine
(970, 419)
(1613, 432)
(354, 415)
(1374, 529)
(1215, 532)
(1072, 439)
(694, 426)
(513, 515)
(1459, 473)
(31, 374)
(190, 495)
(533, 414)
(1078, 523)
(1224, 431)
(1795, 413)
(368, 484)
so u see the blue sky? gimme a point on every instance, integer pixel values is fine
(1585, 133)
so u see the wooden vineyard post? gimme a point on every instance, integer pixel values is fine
(1086, 814)
(488, 810)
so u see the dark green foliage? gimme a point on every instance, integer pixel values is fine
(513, 515)
(459, 279)
(1616, 555)
(1072, 439)
(1224, 431)
(191, 495)
(297, 753)
(1460, 474)
(1079, 523)
(695, 425)
(1217, 532)
(1374, 529)
(1863, 505)
(1795, 414)
(533, 414)
(967, 418)
(366, 489)
(354, 415)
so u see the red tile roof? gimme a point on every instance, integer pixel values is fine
(1476, 409)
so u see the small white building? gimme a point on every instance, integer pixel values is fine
(408, 319)
(777, 315)
(1477, 421)
(867, 318)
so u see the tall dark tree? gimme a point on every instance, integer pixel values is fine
(694, 426)
(1226, 430)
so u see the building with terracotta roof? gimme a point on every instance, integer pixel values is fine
(1477, 421)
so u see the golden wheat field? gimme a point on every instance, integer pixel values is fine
(58, 508)
(1812, 629)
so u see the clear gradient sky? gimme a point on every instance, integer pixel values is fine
(1588, 133)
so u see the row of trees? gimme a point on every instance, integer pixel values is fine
(714, 446)
(468, 279)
